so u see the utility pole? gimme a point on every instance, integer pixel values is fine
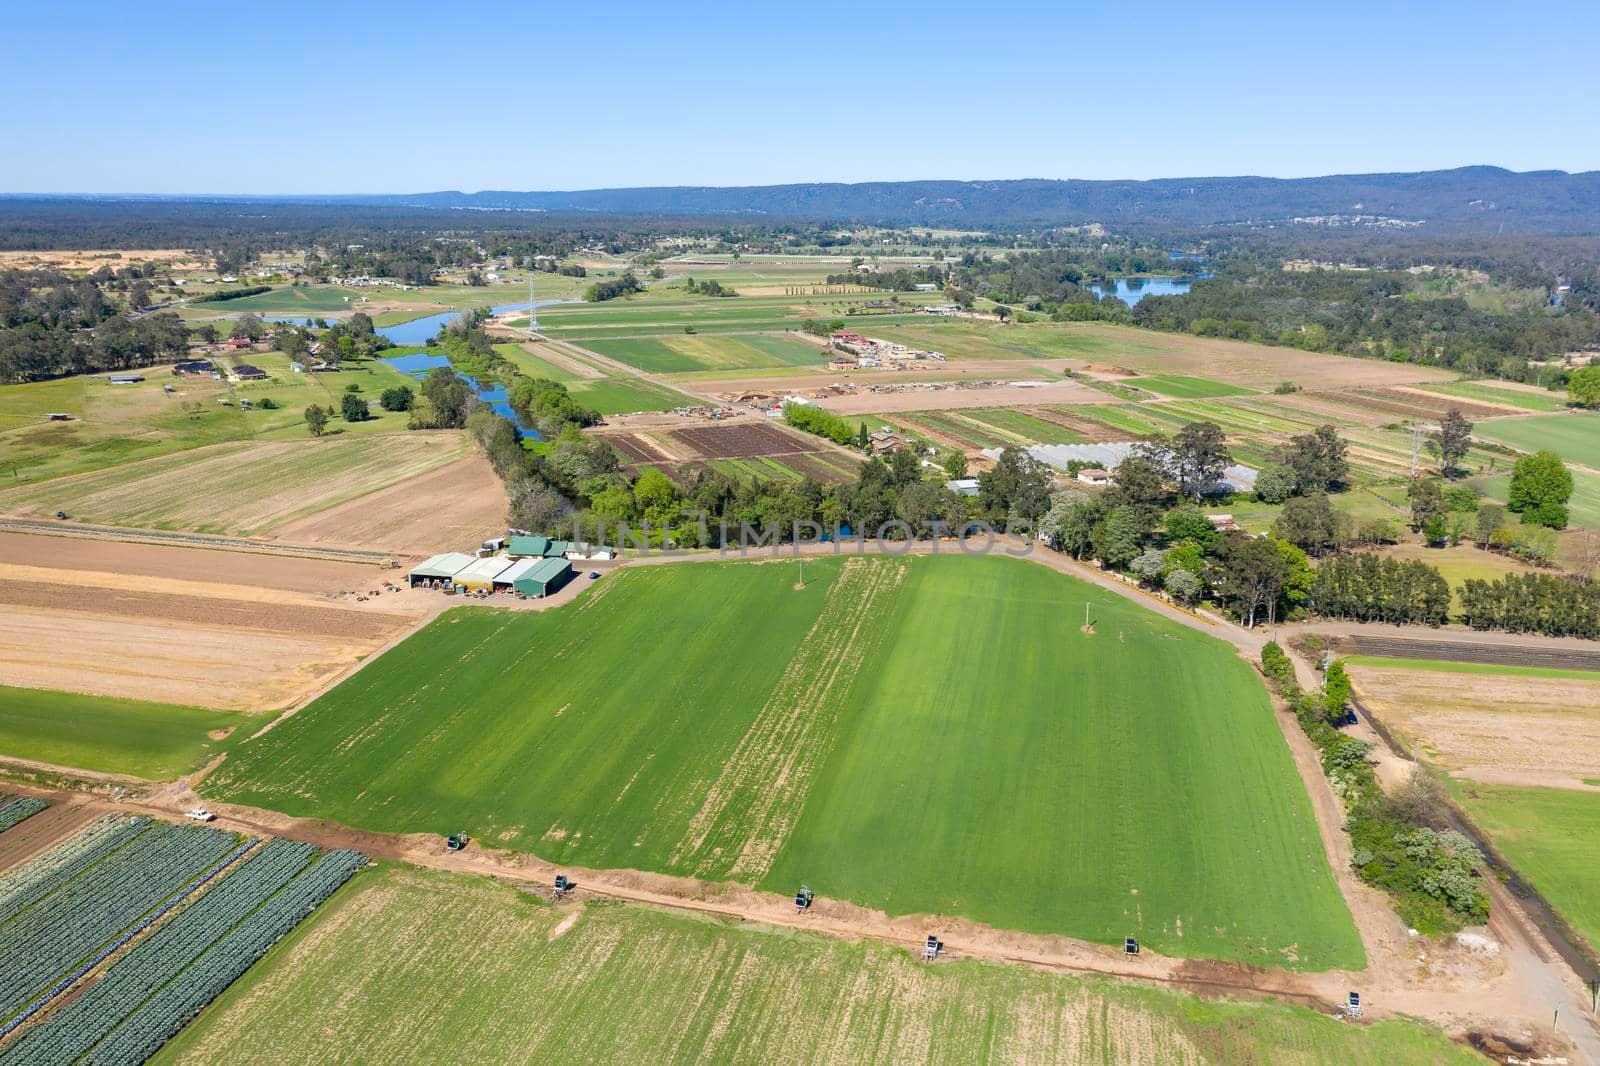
(533, 318)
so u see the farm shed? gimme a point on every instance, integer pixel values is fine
(439, 568)
(507, 578)
(528, 547)
(125, 379)
(546, 576)
(482, 572)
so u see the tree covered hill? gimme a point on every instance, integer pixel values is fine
(1468, 197)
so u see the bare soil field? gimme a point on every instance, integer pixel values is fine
(93, 259)
(257, 572)
(225, 630)
(1245, 363)
(743, 441)
(1413, 403)
(1047, 392)
(56, 822)
(1507, 730)
(453, 508)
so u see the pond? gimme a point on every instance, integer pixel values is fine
(419, 364)
(1131, 290)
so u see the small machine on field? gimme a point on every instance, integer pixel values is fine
(932, 948)
(802, 899)
(456, 842)
(564, 884)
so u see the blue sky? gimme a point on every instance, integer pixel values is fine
(294, 97)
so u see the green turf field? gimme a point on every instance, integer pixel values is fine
(622, 395)
(1181, 387)
(1549, 835)
(710, 720)
(533, 366)
(1575, 437)
(158, 741)
(413, 966)
(665, 355)
(1490, 393)
(1583, 509)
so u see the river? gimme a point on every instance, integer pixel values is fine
(418, 364)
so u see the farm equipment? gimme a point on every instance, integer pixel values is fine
(61, 516)
(1352, 1004)
(802, 898)
(456, 842)
(564, 885)
(1130, 946)
(200, 814)
(931, 949)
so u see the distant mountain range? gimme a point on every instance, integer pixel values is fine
(1474, 196)
(1479, 198)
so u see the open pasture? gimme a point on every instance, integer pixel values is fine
(244, 487)
(408, 966)
(626, 395)
(848, 733)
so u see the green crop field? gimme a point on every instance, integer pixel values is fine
(533, 366)
(664, 355)
(710, 720)
(1549, 835)
(1575, 437)
(411, 966)
(1024, 426)
(622, 395)
(1489, 393)
(158, 741)
(240, 487)
(1181, 387)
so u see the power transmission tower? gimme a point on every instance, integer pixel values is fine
(1416, 449)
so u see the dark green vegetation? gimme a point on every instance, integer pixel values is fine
(422, 965)
(85, 900)
(152, 740)
(1432, 876)
(846, 738)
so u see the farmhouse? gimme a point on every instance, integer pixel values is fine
(441, 568)
(194, 366)
(543, 577)
(883, 442)
(1106, 457)
(480, 573)
(1095, 475)
(246, 372)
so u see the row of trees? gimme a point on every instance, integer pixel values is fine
(1533, 603)
(624, 284)
(1371, 588)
